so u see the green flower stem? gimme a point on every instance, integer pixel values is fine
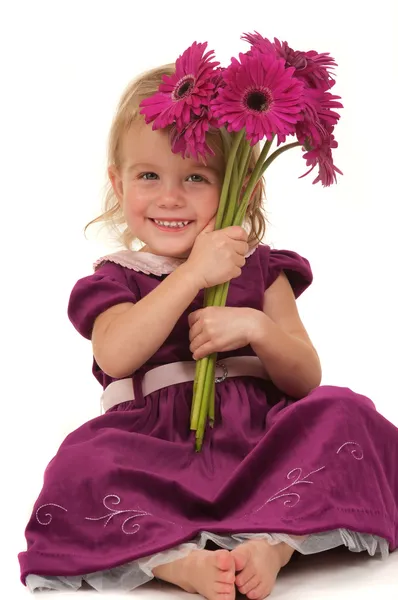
(240, 213)
(238, 157)
(227, 178)
(202, 373)
(247, 154)
(275, 155)
(203, 407)
(201, 367)
(254, 177)
(231, 211)
(225, 293)
(205, 403)
(212, 398)
(195, 406)
(234, 189)
(227, 146)
(257, 174)
(220, 300)
(207, 296)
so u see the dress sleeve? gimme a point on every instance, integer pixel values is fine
(95, 293)
(296, 268)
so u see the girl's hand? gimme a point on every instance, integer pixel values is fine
(220, 329)
(217, 256)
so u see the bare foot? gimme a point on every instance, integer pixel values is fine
(258, 564)
(210, 573)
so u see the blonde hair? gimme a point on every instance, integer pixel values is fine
(128, 111)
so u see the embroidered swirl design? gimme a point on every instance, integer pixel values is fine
(113, 513)
(297, 481)
(293, 498)
(48, 515)
(360, 457)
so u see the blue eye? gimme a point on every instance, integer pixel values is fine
(151, 176)
(144, 176)
(197, 176)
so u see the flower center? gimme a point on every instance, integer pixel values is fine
(258, 100)
(184, 87)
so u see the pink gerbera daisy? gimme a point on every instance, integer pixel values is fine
(259, 42)
(322, 156)
(261, 95)
(317, 115)
(312, 67)
(191, 140)
(183, 93)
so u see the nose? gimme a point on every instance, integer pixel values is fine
(170, 195)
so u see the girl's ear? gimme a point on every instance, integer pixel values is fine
(116, 181)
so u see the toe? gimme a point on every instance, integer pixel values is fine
(225, 577)
(223, 588)
(241, 558)
(224, 561)
(259, 593)
(229, 596)
(245, 576)
(250, 585)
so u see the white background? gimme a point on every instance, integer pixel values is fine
(64, 66)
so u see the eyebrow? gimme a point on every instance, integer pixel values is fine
(149, 166)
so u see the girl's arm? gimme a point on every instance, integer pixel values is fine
(126, 335)
(282, 343)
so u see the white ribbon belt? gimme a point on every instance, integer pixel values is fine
(178, 372)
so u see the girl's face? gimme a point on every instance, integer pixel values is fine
(155, 184)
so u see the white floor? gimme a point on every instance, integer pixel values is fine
(337, 574)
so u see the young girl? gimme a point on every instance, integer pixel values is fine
(289, 465)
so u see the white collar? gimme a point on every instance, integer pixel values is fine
(146, 262)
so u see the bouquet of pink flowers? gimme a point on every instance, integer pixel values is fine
(271, 92)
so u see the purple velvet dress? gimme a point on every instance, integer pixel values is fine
(128, 484)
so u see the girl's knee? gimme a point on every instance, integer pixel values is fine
(339, 397)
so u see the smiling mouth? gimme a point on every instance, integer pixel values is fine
(174, 229)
